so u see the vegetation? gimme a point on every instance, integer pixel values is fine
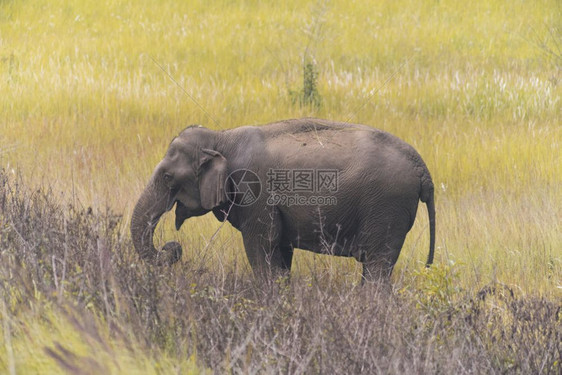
(76, 297)
(86, 112)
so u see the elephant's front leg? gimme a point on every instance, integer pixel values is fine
(262, 237)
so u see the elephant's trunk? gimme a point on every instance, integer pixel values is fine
(148, 210)
(142, 227)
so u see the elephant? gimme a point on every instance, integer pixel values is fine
(329, 187)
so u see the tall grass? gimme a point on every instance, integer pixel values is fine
(86, 112)
(75, 297)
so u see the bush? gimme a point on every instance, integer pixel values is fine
(308, 95)
(73, 259)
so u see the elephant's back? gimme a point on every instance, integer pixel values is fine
(307, 125)
(361, 154)
(331, 136)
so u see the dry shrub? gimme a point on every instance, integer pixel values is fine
(71, 256)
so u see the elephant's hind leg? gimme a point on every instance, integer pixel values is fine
(381, 256)
(378, 269)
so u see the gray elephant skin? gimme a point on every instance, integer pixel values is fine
(357, 187)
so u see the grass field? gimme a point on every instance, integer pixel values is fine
(87, 109)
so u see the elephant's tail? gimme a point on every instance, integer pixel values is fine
(431, 213)
(427, 196)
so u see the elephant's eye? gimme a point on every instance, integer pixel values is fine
(167, 178)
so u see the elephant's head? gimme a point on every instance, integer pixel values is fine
(192, 174)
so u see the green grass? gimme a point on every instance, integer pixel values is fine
(48, 339)
(86, 111)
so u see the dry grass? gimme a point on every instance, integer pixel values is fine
(73, 288)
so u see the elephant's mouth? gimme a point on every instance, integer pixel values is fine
(172, 199)
(182, 213)
(170, 205)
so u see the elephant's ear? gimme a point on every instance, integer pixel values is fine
(212, 176)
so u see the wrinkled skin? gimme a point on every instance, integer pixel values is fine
(380, 181)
